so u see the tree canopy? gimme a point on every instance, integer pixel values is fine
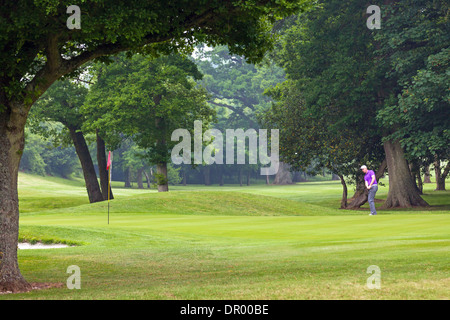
(147, 99)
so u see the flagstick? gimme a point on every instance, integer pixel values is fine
(109, 181)
(109, 187)
(109, 168)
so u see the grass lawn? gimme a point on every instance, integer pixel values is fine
(231, 242)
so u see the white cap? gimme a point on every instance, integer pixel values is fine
(363, 167)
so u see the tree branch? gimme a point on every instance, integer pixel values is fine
(235, 110)
(56, 66)
(446, 171)
(52, 53)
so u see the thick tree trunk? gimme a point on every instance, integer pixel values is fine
(283, 175)
(248, 178)
(90, 177)
(162, 181)
(402, 191)
(12, 126)
(440, 184)
(101, 160)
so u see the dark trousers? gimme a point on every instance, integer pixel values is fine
(372, 191)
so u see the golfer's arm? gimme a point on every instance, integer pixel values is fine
(373, 180)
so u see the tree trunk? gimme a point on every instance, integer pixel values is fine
(344, 192)
(147, 178)
(240, 176)
(184, 177)
(360, 197)
(12, 126)
(402, 191)
(248, 178)
(128, 178)
(419, 182)
(207, 175)
(221, 177)
(283, 175)
(440, 176)
(361, 194)
(161, 178)
(90, 177)
(101, 160)
(427, 176)
(139, 178)
(161, 167)
(415, 174)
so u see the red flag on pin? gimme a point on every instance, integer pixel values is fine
(108, 164)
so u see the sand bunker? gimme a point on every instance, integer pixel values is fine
(40, 245)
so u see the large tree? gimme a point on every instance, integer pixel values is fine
(311, 141)
(348, 79)
(416, 41)
(415, 35)
(327, 107)
(37, 49)
(62, 103)
(147, 99)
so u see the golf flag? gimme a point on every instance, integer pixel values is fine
(108, 164)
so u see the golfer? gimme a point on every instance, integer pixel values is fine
(372, 185)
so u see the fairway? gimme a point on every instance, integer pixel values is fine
(261, 242)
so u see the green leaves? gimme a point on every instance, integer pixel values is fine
(346, 82)
(237, 87)
(419, 113)
(422, 114)
(108, 27)
(326, 109)
(146, 99)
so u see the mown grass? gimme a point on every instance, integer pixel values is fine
(256, 242)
